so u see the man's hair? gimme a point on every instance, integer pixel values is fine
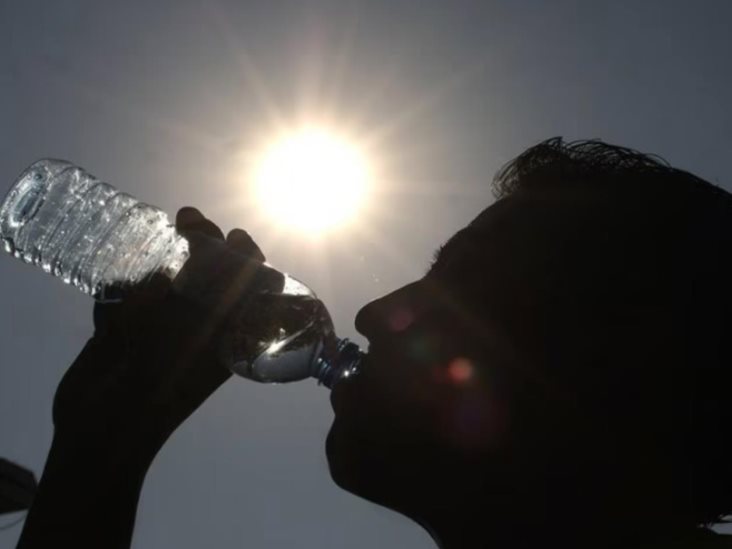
(694, 219)
(587, 161)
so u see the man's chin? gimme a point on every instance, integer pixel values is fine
(358, 470)
(347, 463)
(340, 469)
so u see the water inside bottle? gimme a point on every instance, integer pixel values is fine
(279, 337)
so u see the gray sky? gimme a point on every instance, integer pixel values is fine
(165, 99)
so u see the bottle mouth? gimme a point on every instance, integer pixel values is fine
(345, 363)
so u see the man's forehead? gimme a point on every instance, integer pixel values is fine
(486, 227)
(503, 212)
(525, 223)
(490, 214)
(543, 205)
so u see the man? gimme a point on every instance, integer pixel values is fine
(558, 378)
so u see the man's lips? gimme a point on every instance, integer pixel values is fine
(343, 389)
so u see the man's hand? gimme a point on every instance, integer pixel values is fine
(151, 362)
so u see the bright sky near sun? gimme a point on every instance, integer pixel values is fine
(311, 180)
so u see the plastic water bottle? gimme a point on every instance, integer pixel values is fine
(102, 241)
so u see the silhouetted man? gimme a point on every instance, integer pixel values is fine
(559, 377)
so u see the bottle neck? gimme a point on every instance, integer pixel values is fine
(344, 363)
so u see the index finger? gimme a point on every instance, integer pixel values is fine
(240, 241)
(189, 219)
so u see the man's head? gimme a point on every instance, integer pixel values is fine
(564, 356)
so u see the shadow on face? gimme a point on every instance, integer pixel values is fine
(532, 366)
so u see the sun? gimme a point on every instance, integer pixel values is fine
(311, 180)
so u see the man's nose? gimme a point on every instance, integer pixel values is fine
(390, 314)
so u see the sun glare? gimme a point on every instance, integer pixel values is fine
(311, 180)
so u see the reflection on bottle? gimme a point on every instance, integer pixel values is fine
(292, 339)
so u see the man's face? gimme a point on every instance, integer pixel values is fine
(434, 401)
(490, 374)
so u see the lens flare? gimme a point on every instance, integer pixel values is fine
(400, 319)
(460, 371)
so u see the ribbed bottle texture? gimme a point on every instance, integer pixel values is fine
(86, 232)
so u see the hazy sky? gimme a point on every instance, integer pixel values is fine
(168, 99)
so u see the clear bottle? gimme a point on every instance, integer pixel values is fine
(101, 241)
